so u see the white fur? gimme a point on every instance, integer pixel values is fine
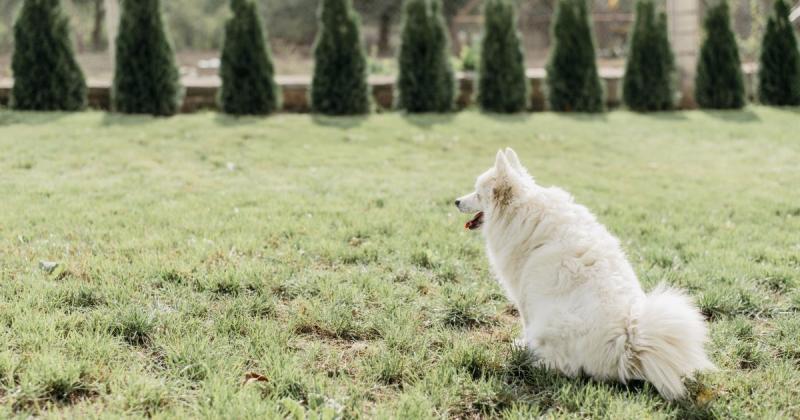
(582, 308)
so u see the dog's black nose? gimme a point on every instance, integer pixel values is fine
(458, 202)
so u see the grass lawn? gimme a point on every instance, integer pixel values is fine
(214, 267)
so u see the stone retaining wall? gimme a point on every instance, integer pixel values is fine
(202, 94)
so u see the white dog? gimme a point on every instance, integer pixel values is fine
(581, 305)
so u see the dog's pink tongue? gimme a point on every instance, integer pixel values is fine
(475, 222)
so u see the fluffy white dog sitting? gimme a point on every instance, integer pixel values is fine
(581, 305)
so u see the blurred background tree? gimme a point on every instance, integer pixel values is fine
(199, 24)
(47, 76)
(425, 80)
(246, 69)
(197, 27)
(573, 83)
(649, 72)
(502, 83)
(779, 69)
(146, 77)
(719, 83)
(339, 85)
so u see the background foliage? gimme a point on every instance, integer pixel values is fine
(502, 82)
(650, 69)
(779, 71)
(246, 70)
(426, 81)
(199, 24)
(573, 84)
(146, 78)
(339, 85)
(47, 76)
(719, 82)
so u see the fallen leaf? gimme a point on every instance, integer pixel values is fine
(251, 377)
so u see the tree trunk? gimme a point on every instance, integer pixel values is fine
(111, 10)
(384, 49)
(99, 22)
(455, 42)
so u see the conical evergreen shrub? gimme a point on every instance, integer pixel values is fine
(719, 83)
(502, 84)
(779, 72)
(426, 82)
(648, 83)
(146, 78)
(573, 84)
(46, 75)
(340, 84)
(246, 70)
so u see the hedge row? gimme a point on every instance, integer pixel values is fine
(146, 78)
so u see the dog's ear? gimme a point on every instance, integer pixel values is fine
(513, 159)
(503, 192)
(501, 165)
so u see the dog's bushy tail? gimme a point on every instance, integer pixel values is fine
(669, 339)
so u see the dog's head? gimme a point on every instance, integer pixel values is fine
(495, 189)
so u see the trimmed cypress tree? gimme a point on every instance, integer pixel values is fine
(426, 82)
(572, 80)
(502, 84)
(146, 78)
(719, 83)
(46, 75)
(648, 83)
(247, 73)
(340, 67)
(779, 72)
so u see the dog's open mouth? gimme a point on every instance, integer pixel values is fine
(476, 221)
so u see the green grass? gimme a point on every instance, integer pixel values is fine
(325, 255)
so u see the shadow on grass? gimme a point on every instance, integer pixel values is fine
(691, 410)
(9, 117)
(549, 385)
(342, 121)
(551, 388)
(585, 116)
(128, 120)
(737, 116)
(787, 109)
(227, 120)
(428, 120)
(515, 118)
(668, 116)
